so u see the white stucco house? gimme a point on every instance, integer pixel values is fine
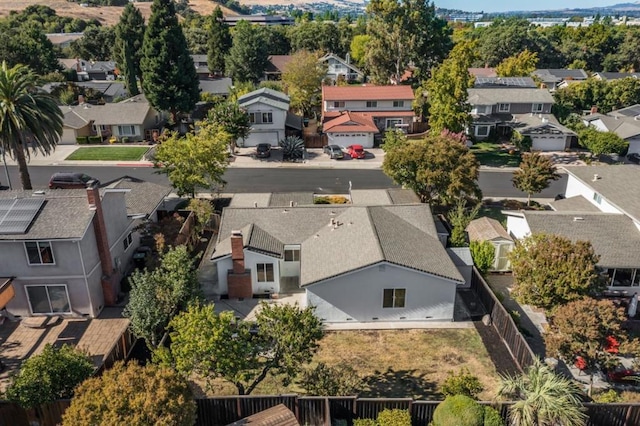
(601, 205)
(267, 111)
(336, 67)
(362, 262)
(624, 122)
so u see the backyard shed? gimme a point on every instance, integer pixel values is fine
(487, 229)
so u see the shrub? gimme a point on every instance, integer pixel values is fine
(483, 254)
(608, 397)
(94, 139)
(327, 380)
(125, 139)
(80, 140)
(365, 422)
(492, 417)
(462, 383)
(394, 417)
(331, 199)
(458, 410)
(321, 200)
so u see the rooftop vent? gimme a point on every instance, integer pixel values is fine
(332, 222)
(255, 204)
(39, 192)
(595, 177)
(291, 204)
(578, 218)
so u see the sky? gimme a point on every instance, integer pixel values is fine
(509, 5)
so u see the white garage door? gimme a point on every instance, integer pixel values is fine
(548, 143)
(346, 139)
(255, 138)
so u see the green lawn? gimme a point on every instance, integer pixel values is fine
(108, 153)
(491, 154)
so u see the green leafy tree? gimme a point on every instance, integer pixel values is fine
(232, 119)
(358, 48)
(302, 80)
(404, 32)
(203, 209)
(521, 142)
(248, 56)
(504, 38)
(461, 410)
(28, 117)
(550, 270)
(447, 90)
(219, 42)
(157, 295)
(25, 43)
(535, 174)
(393, 138)
(459, 218)
(461, 383)
(543, 398)
(51, 375)
(586, 328)
(520, 65)
(438, 169)
(169, 78)
(394, 417)
(133, 395)
(96, 44)
(599, 143)
(315, 36)
(127, 47)
(195, 160)
(483, 254)
(277, 38)
(243, 352)
(326, 380)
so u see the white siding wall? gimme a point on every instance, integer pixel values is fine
(223, 266)
(576, 187)
(365, 139)
(362, 106)
(250, 261)
(265, 133)
(518, 227)
(68, 137)
(358, 296)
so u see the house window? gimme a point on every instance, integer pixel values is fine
(483, 109)
(392, 122)
(537, 107)
(372, 104)
(393, 298)
(338, 104)
(504, 107)
(127, 241)
(292, 255)
(252, 117)
(597, 198)
(265, 272)
(127, 130)
(48, 299)
(267, 117)
(39, 253)
(398, 104)
(482, 130)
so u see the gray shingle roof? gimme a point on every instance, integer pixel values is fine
(262, 242)
(613, 236)
(574, 204)
(461, 256)
(250, 199)
(528, 122)
(218, 86)
(486, 229)
(554, 75)
(284, 199)
(402, 196)
(625, 127)
(265, 95)
(520, 95)
(65, 214)
(403, 235)
(370, 197)
(143, 197)
(619, 185)
(131, 111)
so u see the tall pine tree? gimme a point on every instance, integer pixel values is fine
(248, 56)
(219, 42)
(127, 48)
(169, 78)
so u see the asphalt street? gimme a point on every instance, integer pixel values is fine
(496, 184)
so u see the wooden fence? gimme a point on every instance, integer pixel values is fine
(315, 141)
(503, 323)
(316, 411)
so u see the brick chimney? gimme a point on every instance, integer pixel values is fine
(238, 278)
(110, 279)
(594, 110)
(80, 99)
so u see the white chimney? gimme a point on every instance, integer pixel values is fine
(595, 177)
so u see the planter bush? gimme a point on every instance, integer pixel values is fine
(94, 139)
(458, 410)
(81, 140)
(125, 139)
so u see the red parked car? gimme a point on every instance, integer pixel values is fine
(356, 151)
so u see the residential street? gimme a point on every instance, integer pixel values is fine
(495, 184)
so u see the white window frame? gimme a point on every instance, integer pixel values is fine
(127, 241)
(391, 122)
(398, 104)
(393, 298)
(26, 252)
(372, 104)
(537, 107)
(263, 266)
(504, 107)
(488, 129)
(338, 104)
(66, 290)
(269, 119)
(121, 128)
(597, 198)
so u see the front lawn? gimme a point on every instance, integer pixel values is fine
(494, 155)
(397, 363)
(108, 153)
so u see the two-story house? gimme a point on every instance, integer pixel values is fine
(601, 205)
(623, 122)
(134, 119)
(338, 67)
(379, 258)
(66, 250)
(388, 107)
(268, 110)
(506, 108)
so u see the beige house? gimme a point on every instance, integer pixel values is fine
(133, 118)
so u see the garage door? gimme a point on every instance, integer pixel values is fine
(254, 138)
(548, 143)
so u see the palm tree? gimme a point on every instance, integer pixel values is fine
(27, 117)
(543, 398)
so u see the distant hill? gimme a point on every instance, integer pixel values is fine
(107, 15)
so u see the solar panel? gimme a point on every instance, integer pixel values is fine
(631, 111)
(504, 82)
(16, 215)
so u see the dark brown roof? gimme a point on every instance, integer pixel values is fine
(274, 416)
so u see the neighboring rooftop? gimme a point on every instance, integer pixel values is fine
(363, 197)
(216, 86)
(613, 183)
(266, 96)
(574, 204)
(483, 72)
(557, 75)
(143, 198)
(521, 95)
(130, 111)
(504, 82)
(616, 75)
(622, 125)
(366, 93)
(487, 229)
(351, 122)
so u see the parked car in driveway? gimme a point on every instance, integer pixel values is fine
(263, 150)
(334, 152)
(634, 158)
(356, 151)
